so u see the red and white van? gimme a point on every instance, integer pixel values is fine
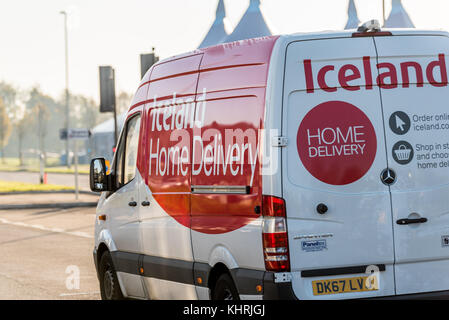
(307, 166)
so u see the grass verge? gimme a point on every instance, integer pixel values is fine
(32, 165)
(6, 186)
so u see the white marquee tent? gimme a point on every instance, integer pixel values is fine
(353, 19)
(217, 32)
(252, 24)
(398, 17)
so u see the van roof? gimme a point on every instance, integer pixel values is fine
(305, 36)
(350, 32)
(216, 48)
(321, 35)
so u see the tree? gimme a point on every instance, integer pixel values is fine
(21, 108)
(9, 96)
(5, 128)
(22, 126)
(46, 119)
(123, 102)
(88, 114)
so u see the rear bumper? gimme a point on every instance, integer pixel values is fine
(284, 291)
(437, 295)
(247, 280)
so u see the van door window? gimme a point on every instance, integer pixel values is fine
(126, 157)
(132, 141)
(119, 163)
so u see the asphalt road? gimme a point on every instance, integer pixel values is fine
(52, 178)
(47, 254)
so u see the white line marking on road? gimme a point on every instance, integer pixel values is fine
(78, 294)
(55, 230)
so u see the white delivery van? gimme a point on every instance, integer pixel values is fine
(307, 166)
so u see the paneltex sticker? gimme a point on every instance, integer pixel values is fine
(313, 245)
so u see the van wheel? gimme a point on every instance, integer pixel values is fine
(225, 289)
(109, 285)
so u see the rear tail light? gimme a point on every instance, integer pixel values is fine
(273, 207)
(274, 235)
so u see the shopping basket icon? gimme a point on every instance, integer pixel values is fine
(403, 153)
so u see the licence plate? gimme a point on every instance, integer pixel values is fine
(344, 285)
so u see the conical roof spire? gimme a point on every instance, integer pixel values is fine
(221, 10)
(217, 32)
(252, 24)
(398, 17)
(353, 19)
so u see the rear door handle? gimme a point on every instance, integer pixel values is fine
(411, 221)
(132, 204)
(145, 203)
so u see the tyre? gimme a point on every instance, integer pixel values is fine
(109, 285)
(225, 289)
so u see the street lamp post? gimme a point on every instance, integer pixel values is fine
(67, 97)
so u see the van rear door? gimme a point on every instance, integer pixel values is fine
(338, 210)
(415, 93)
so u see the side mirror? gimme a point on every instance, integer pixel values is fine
(98, 176)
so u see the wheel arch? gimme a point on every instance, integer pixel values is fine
(215, 273)
(102, 248)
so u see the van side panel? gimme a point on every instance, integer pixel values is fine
(226, 180)
(172, 88)
(230, 139)
(166, 244)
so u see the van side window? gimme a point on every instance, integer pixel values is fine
(119, 163)
(132, 143)
(126, 158)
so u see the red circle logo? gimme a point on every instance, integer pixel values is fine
(336, 143)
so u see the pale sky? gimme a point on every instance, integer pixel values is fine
(112, 32)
